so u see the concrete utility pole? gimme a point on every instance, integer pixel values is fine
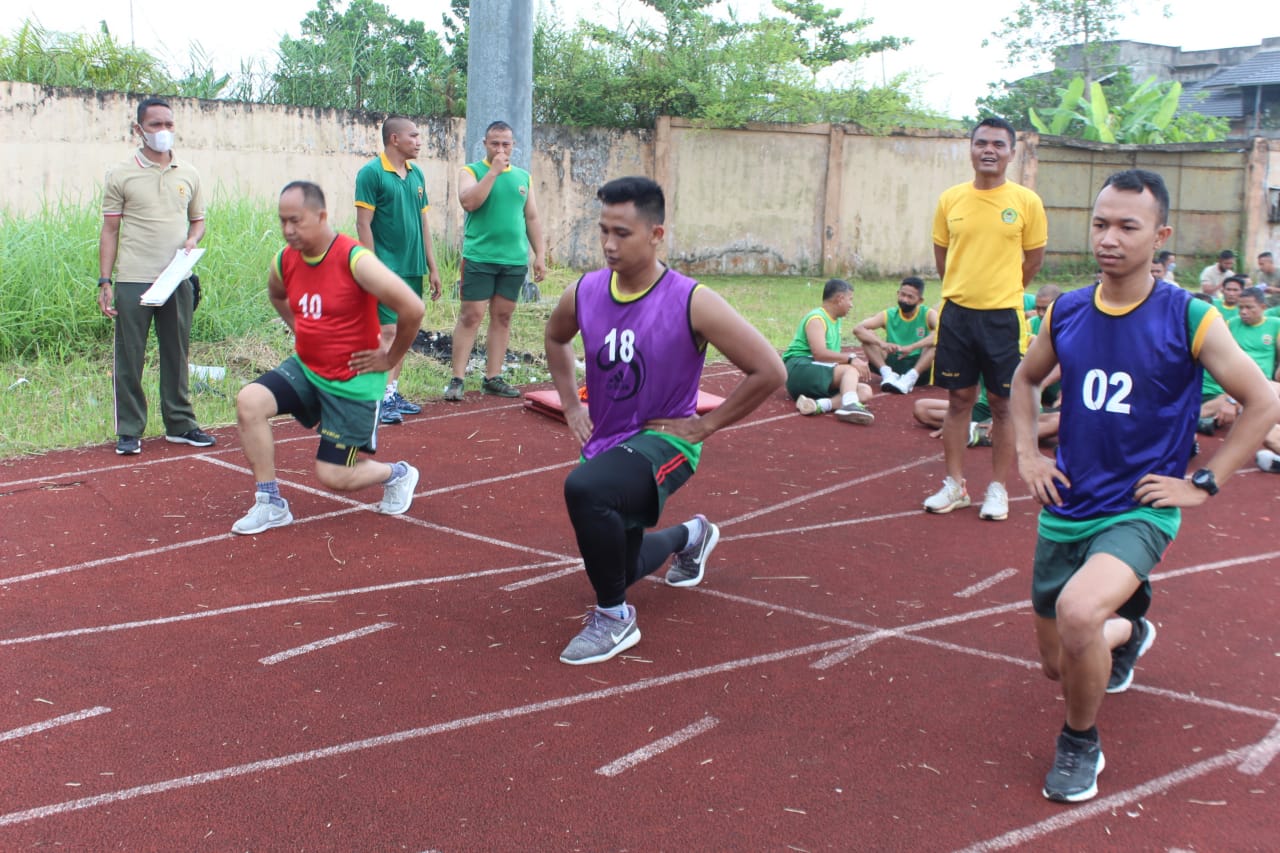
(500, 74)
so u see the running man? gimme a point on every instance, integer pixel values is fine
(645, 330)
(327, 288)
(1131, 349)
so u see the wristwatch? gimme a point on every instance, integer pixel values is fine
(104, 281)
(1203, 479)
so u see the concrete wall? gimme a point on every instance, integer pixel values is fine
(818, 199)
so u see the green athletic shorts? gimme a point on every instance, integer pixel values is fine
(387, 317)
(347, 426)
(482, 282)
(900, 364)
(671, 470)
(1136, 543)
(810, 378)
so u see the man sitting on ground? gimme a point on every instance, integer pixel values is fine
(1258, 335)
(1228, 298)
(816, 366)
(1212, 276)
(906, 352)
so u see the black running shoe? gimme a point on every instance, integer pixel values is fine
(1125, 655)
(1076, 765)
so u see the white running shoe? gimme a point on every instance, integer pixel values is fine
(950, 497)
(807, 405)
(264, 516)
(889, 378)
(1267, 461)
(995, 504)
(398, 494)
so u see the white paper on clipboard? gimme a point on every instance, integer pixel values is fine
(174, 274)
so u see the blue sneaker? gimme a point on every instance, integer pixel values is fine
(404, 406)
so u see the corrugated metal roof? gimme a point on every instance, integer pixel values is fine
(1219, 102)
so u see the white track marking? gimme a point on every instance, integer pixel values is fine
(571, 570)
(659, 746)
(270, 660)
(851, 650)
(279, 602)
(970, 591)
(843, 484)
(27, 815)
(1104, 805)
(1262, 754)
(14, 734)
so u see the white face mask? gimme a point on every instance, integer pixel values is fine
(161, 140)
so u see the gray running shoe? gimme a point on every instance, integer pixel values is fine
(264, 516)
(454, 392)
(690, 564)
(128, 445)
(1076, 765)
(855, 413)
(398, 494)
(499, 387)
(603, 637)
(404, 406)
(1125, 656)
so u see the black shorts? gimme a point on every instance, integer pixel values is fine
(974, 345)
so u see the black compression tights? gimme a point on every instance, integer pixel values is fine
(601, 494)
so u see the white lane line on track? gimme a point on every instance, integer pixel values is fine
(971, 591)
(1104, 805)
(279, 602)
(850, 651)
(251, 768)
(270, 660)
(1261, 754)
(565, 572)
(659, 746)
(14, 734)
(843, 484)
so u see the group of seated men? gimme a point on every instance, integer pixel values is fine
(897, 343)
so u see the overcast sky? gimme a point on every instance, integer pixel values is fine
(946, 56)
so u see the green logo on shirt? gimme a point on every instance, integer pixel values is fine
(1009, 216)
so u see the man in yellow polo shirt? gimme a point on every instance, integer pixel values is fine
(152, 206)
(989, 236)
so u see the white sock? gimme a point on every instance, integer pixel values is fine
(849, 399)
(824, 405)
(885, 371)
(391, 390)
(694, 526)
(620, 612)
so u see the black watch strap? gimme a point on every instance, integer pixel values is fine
(104, 281)
(1204, 479)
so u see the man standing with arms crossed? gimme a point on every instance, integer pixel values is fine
(391, 222)
(1131, 349)
(152, 206)
(501, 225)
(645, 330)
(988, 243)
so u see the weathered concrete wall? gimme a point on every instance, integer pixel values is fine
(816, 199)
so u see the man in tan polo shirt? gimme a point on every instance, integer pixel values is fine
(152, 206)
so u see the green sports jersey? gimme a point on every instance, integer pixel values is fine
(906, 331)
(494, 233)
(1258, 342)
(799, 346)
(1228, 312)
(397, 204)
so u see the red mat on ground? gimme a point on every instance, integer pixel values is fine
(547, 402)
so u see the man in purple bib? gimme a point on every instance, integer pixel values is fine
(645, 330)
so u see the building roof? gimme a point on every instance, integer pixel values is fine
(1261, 69)
(1226, 103)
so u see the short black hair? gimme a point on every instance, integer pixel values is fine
(914, 281)
(148, 103)
(312, 195)
(834, 287)
(1226, 255)
(1203, 297)
(644, 193)
(1137, 180)
(1262, 255)
(1239, 279)
(498, 125)
(996, 121)
(393, 124)
(1164, 256)
(1256, 292)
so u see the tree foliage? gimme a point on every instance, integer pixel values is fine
(80, 60)
(363, 57)
(1143, 114)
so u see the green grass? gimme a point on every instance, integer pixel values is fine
(55, 345)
